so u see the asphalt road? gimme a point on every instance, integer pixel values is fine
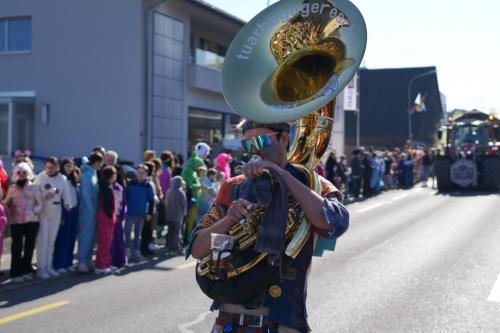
(412, 261)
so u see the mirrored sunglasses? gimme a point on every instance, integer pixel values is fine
(258, 142)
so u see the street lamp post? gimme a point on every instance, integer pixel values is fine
(410, 130)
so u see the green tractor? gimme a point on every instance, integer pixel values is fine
(470, 152)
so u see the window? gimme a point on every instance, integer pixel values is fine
(217, 129)
(209, 54)
(212, 47)
(205, 126)
(15, 34)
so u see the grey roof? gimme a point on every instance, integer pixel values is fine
(218, 11)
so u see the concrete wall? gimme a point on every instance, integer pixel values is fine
(87, 63)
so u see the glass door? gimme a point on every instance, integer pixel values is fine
(17, 126)
(24, 129)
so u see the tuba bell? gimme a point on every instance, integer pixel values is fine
(288, 64)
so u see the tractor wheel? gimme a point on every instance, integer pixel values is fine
(442, 173)
(491, 173)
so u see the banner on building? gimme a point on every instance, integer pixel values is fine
(351, 95)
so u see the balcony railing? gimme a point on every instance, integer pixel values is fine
(208, 59)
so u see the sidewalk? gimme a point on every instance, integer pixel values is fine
(5, 259)
(6, 285)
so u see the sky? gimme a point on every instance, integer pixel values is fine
(461, 38)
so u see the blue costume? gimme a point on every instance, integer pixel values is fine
(66, 238)
(89, 191)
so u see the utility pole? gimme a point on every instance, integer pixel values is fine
(358, 114)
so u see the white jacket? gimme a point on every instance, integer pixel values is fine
(60, 187)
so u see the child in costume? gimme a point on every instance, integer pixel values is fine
(192, 180)
(23, 203)
(118, 256)
(140, 205)
(3, 223)
(66, 236)
(105, 220)
(209, 188)
(4, 178)
(54, 190)
(222, 164)
(89, 191)
(175, 213)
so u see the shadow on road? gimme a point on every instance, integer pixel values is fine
(14, 294)
(467, 193)
(150, 264)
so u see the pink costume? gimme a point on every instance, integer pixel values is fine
(222, 164)
(105, 228)
(3, 223)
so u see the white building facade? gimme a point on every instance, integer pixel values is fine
(127, 75)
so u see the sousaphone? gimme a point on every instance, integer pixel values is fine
(287, 65)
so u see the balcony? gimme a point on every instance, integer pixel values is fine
(208, 59)
(204, 71)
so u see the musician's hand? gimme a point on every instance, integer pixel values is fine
(256, 169)
(239, 210)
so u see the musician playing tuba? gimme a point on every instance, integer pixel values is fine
(280, 307)
(255, 245)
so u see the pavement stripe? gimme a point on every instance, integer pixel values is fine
(31, 312)
(189, 264)
(369, 208)
(184, 327)
(401, 196)
(495, 292)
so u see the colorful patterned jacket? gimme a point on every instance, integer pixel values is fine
(289, 308)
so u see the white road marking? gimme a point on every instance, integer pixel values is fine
(401, 196)
(389, 201)
(362, 210)
(183, 328)
(495, 292)
(187, 265)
